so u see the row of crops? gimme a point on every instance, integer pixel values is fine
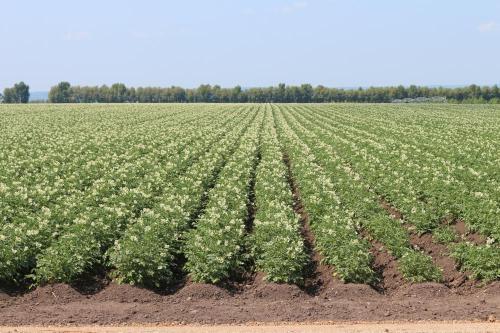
(151, 193)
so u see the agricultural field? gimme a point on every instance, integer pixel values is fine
(229, 213)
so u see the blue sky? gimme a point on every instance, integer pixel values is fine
(251, 43)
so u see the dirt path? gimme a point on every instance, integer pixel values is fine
(403, 327)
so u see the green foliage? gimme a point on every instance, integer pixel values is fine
(282, 257)
(277, 244)
(390, 233)
(81, 247)
(482, 261)
(334, 228)
(61, 93)
(214, 249)
(418, 267)
(106, 223)
(114, 167)
(73, 255)
(355, 192)
(20, 93)
(87, 187)
(147, 252)
(349, 255)
(305, 93)
(444, 234)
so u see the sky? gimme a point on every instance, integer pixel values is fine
(249, 42)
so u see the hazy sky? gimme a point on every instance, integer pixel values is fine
(251, 43)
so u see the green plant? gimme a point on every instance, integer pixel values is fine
(418, 267)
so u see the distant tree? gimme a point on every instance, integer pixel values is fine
(217, 95)
(305, 93)
(236, 94)
(320, 94)
(20, 93)
(400, 92)
(280, 93)
(204, 93)
(60, 93)
(179, 94)
(131, 95)
(495, 93)
(104, 94)
(8, 95)
(118, 93)
(293, 94)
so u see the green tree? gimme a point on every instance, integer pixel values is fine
(118, 93)
(20, 93)
(9, 95)
(306, 93)
(60, 93)
(204, 93)
(280, 93)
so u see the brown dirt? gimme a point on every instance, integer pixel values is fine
(385, 264)
(123, 293)
(439, 253)
(473, 237)
(350, 291)
(52, 294)
(318, 275)
(492, 289)
(261, 289)
(427, 290)
(259, 302)
(202, 291)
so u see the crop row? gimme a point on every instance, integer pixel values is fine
(83, 244)
(48, 160)
(113, 197)
(365, 209)
(149, 249)
(151, 193)
(337, 237)
(372, 174)
(277, 243)
(441, 187)
(215, 248)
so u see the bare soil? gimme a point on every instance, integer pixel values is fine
(259, 301)
(473, 237)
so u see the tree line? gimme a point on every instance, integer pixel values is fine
(64, 92)
(305, 93)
